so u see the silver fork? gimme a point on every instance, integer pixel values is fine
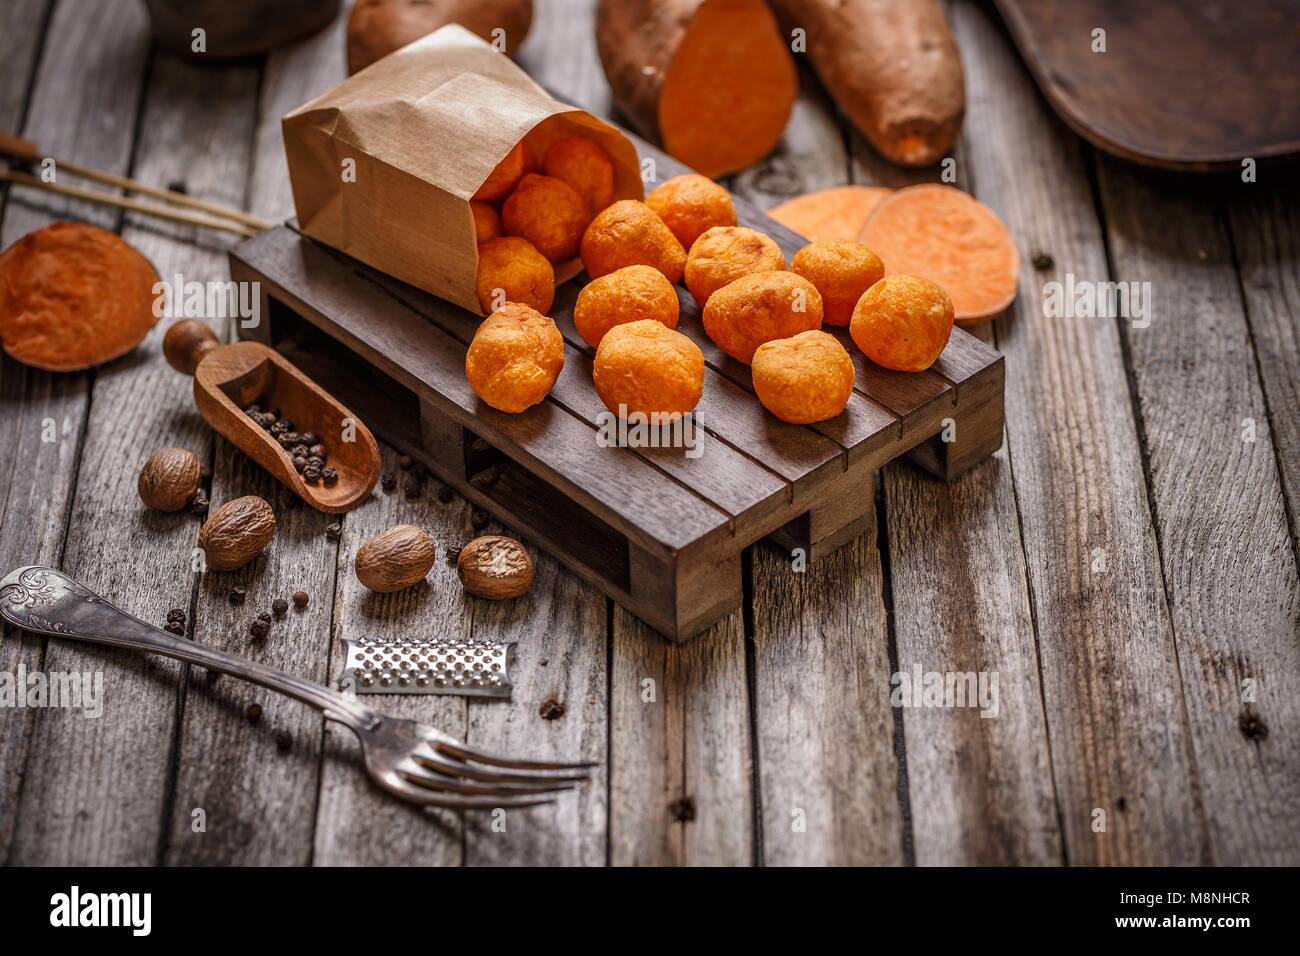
(408, 759)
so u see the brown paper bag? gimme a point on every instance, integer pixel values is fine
(423, 128)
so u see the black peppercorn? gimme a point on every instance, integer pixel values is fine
(283, 740)
(316, 460)
(329, 476)
(175, 614)
(311, 474)
(251, 410)
(264, 616)
(253, 712)
(199, 503)
(279, 606)
(445, 494)
(299, 450)
(280, 426)
(259, 629)
(1043, 262)
(175, 627)
(310, 438)
(332, 530)
(388, 480)
(300, 599)
(237, 594)
(318, 450)
(299, 464)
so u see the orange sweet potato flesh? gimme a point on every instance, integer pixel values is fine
(73, 296)
(378, 27)
(712, 80)
(891, 65)
(835, 213)
(944, 235)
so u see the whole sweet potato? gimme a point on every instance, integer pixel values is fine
(378, 27)
(893, 67)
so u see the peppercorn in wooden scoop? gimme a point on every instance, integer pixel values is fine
(278, 416)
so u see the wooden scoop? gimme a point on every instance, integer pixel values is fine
(228, 378)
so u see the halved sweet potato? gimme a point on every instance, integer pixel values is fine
(713, 80)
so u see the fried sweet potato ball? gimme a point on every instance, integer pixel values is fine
(841, 271)
(630, 233)
(625, 295)
(549, 213)
(805, 378)
(508, 172)
(690, 205)
(515, 358)
(646, 367)
(73, 296)
(725, 253)
(758, 308)
(510, 269)
(487, 221)
(584, 165)
(903, 323)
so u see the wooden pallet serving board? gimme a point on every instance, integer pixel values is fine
(659, 531)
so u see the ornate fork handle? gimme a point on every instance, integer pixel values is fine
(49, 602)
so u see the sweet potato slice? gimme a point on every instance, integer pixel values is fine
(73, 296)
(891, 65)
(713, 80)
(944, 235)
(835, 213)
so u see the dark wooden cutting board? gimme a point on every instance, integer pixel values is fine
(1183, 84)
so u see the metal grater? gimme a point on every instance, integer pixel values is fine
(469, 668)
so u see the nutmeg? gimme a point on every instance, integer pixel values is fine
(169, 479)
(495, 567)
(395, 559)
(237, 532)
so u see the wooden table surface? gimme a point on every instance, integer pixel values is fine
(1126, 564)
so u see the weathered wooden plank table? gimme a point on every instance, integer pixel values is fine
(1126, 564)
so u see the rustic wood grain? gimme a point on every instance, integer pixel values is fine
(99, 65)
(293, 75)
(356, 822)
(820, 642)
(259, 801)
(980, 789)
(1220, 515)
(680, 761)
(1264, 220)
(1115, 717)
(36, 484)
(827, 769)
(561, 629)
(196, 126)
